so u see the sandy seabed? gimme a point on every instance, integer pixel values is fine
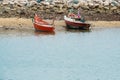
(23, 23)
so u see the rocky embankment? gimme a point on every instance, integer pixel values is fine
(102, 12)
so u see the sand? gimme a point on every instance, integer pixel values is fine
(23, 23)
(16, 23)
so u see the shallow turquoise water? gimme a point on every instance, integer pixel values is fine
(65, 55)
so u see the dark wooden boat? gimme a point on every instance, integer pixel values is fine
(41, 25)
(76, 24)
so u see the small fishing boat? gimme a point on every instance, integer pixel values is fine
(41, 25)
(73, 23)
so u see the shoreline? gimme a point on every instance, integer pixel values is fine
(24, 23)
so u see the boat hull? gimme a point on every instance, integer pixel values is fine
(42, 27)
(72, 24)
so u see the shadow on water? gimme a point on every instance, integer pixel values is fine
(24, 32)
(16, 32)
(39, 33)
(78, 30)
(29, 32)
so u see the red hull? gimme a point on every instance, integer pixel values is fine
(41, 25)
(76, 25)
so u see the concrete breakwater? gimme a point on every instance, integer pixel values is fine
(109, 12)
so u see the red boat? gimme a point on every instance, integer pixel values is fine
(76, 24)
(41, 25)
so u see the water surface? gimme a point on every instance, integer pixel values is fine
(63, 55)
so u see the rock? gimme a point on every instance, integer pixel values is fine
(55, 9)
(48, 7)
(96, 5)
(51, 6)
(101, 6)
(114, 8)
(118, 12)
(41, 7)
(21, 2)
(60, 6)
(45, 3)
(106, 8)
(105, 3)
(21, 11)
(90, 12)
(32, 3)
(115, 3)
(91, 6)
(85, 7)
(34, 8)
(59, 11)
(1, 13)
(47, 11)
(88, 9)
(65, 9)
(99, 11)
(6, 10)
(76, 5)
(58, 2)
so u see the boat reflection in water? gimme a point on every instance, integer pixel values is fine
(77, 30)
(38, 33)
